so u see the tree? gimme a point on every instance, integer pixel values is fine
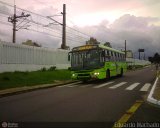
(31, 43)
(155, 58)
(92, 41)
(108, 44)
(151, 59)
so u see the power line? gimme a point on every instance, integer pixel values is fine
(46, 24)
(73, 33)
(52, 35)
(78, 31)
(43, 33)
(3, 22)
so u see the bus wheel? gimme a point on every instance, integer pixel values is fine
(107, 74)
(121, 72)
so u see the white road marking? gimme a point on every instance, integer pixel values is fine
(145, 87)
(69, 85)
(132, 86)
(73, 85)
(117, 85)
(84, 86)
(102, 85)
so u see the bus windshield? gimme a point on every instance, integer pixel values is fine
(89, 59)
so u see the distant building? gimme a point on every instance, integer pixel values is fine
(129, 54)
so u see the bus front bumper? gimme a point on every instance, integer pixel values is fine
(81, 76)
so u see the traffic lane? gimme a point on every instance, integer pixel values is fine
(142, 75)
(85, 105)
(145, 75)
(17, 106)
(24, 106)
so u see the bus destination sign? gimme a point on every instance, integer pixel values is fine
(85, 47)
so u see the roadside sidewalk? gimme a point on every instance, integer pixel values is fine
(154, 95)
(11, 91)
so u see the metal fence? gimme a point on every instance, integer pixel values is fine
(29, 57)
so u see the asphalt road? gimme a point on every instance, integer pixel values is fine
(95, 101)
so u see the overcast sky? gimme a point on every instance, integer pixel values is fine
(137, 21)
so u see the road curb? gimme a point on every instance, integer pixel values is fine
(150, 96)
(18, 90)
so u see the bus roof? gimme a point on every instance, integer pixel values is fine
(110, 49)
(89, 47)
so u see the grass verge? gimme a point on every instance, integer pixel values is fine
(20, 79)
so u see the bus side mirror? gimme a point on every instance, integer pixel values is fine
(69, 57)
(103, 54)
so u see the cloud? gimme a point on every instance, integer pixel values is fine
(138, 31)
(5, 10)
(47, 11)
(128, 21)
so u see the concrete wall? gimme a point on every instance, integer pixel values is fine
(132, 61)
(18, 57)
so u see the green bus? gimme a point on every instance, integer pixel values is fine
(96, 62)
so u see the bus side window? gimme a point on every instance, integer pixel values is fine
(102, 56)
(120, 56)
(108, 53)
(111, 56)
(123, 57)
(107, 57)
(117, 59)
(116, 56)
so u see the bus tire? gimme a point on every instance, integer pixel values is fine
(108, 74)
(121, 72)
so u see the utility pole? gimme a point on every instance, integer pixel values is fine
(141, 50)
(14, 25)
(125, 49)
(63, 45)
(139, 55)
(13, 20)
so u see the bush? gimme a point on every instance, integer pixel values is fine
(43, 69)
(130, 67)
(52, 68)
(5, 78)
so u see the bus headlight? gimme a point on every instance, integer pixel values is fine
(96, 73)
(73, 75)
